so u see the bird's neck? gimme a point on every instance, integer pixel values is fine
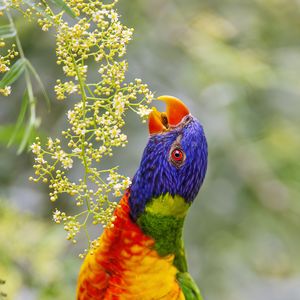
(163, 220)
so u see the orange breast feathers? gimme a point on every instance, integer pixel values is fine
(126, 265)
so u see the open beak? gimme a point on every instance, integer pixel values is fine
(162, 121)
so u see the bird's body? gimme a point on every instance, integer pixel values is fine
(142, 256)
(127, 266)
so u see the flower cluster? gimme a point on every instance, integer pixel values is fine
(94, 42)
(61, 89)
(5, 61)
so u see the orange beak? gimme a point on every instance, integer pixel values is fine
(162, 121)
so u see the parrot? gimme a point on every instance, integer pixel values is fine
(142, 256)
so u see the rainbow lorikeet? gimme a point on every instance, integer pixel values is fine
(142, 256)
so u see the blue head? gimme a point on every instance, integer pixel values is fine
(174, 160)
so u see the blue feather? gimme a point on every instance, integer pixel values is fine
(157, 175)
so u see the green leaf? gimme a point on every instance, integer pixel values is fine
(14, 73)
(61, 4)
(20, 120)
(32, 124)
(26, 137)
(7, 130)
(7, 31)
(5, 133)
(38, 79)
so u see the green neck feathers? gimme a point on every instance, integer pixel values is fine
(163, 220)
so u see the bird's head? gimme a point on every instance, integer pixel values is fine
(175, 159)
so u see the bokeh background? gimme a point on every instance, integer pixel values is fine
(236, 64)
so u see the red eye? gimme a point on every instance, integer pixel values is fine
(177, 155)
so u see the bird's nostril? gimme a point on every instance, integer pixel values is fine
(188, 118)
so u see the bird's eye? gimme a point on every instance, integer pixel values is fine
(177, 156)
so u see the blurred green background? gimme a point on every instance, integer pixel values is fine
(236, 64)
